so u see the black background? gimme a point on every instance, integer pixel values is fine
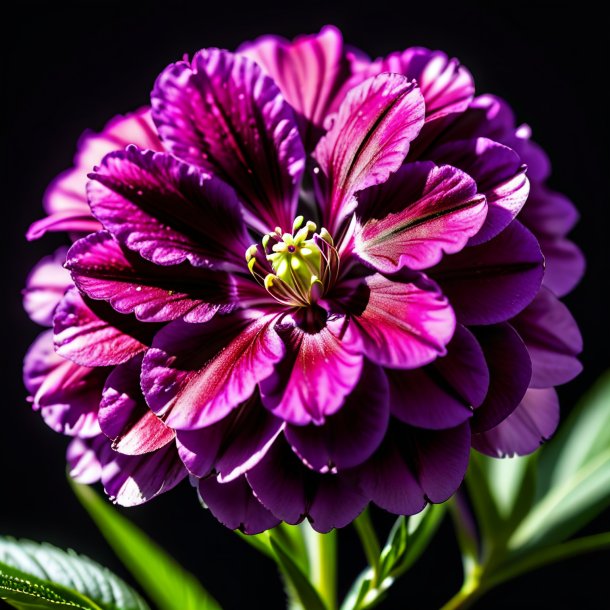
(74, 65)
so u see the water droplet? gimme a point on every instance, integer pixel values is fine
(316, 170)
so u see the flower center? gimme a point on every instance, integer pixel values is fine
(296, 268)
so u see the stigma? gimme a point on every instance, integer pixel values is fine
(296, 268)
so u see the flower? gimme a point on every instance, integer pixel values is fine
(318, 287)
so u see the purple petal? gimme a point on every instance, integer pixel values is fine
(403, 325)
(168, 211)
(532, 423)
(102, 269)
(221, 113)
(65, 201)
(552, 339)
(319, 371)
(443, 394)
(292, 492)
(235, 506)
(492, 282)
(125, 417)
(499, 174)
(195, 375)
(313, 74)
(420, 213)
(351, 436)
(446, 86)
(548, 212)
(93, 334)
(565, 264)
(45, 286)
(368, 139)
(67, 395)
(83, 464)
(233, 445)
(131, 480)
(510, 371)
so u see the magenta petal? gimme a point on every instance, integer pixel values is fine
(66, 394)
(446, 85)
(83, 463)
(194, 375)
(510, 371)
(349, 437)
(96, 338)
(319, 371)
(532, 423)
(420, 213)
(131, 480)
(223, 114)
(499, 174)
(403, 325)
(368, 140)
(125, 417)
(102, 269)
(45, 286)
(168, 211)
(443, 394)
(233, 445)
(312, 73)
(492, 282)
(235, 506)
(552, 339)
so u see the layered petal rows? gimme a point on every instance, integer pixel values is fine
(307, 281)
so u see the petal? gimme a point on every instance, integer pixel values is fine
(446, 85)
(131, 480)
(420, 213)
(548, 212)
(223, 114)
(552, 339)
(235, 506)
(368, 140)
(67, 395)
(318, 372)
(402, 325)
(565, 264)
(65, 200)
(313, 73)
(195, 375)
(352, 435)
(83, 464)
(233, 445)
(125, 417)
(168, 211)
(510, 371)
(292, 492)
(500, 176)
(492, 282)
(532, 423)
(92, 334)
(102, 269)
(45, 286)
(443, 394)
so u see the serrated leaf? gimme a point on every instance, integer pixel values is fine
(308, 597)
(166, 583)
(34, 575)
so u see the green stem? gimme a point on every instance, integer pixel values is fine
(370, 543)
(471, 590)
(322, 553)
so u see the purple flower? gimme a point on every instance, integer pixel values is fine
(317, 288)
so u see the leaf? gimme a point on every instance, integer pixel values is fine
(305, 591)
(167, 584)
(36, 575)
(574, 474)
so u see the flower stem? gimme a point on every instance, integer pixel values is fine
(370, 543)
(471, 590)
(322, 552)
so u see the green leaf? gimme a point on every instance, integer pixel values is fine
(36, 575)
(307, 595)
(574, 474)
(163, 579)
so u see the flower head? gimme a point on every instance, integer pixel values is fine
(318, 287)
